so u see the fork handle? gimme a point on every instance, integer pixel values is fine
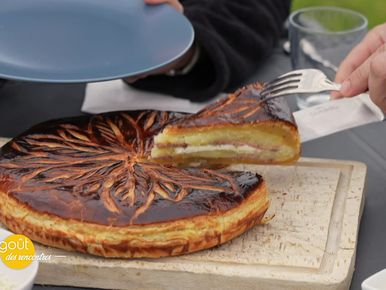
(328, 85)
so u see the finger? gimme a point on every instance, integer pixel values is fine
(373, 40)
(174, 3)
(135, 78)
(357, 81)
(377, 81)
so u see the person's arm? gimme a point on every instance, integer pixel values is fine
(365, 68)
(233, 36)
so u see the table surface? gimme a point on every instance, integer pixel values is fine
(25, 104)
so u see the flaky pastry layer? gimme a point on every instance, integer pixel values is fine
(241, 128)
(267, 142)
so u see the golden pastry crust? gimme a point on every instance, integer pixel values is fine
(238, 108)
(239, 128)
(152, 240)
(87, 184)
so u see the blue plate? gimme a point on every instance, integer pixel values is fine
(88, 40)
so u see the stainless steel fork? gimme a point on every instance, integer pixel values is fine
(303, 81)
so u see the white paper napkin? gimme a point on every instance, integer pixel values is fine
(336, 116)
(117, 96)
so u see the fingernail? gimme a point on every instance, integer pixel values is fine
(345, 87)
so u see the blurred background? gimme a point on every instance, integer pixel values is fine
(374, 10)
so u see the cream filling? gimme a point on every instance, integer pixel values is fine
(245, 149)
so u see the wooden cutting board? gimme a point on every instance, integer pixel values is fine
(309, 244)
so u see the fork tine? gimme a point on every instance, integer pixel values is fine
(295, 73)
(299, 81)
(278, 95)
(284, 77)
(289, 78)
(275, 85)
(282, 90)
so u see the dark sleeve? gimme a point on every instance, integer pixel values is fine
(234, 37)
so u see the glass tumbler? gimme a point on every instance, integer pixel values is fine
(321, 37)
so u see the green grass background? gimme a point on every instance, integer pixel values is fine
(374, 10)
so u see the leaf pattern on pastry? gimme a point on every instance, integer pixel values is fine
(108, 160)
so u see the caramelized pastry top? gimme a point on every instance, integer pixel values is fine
(97, 169)
(241, 107)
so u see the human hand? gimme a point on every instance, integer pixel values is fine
(365, 68)
(174, 3)
(177, 64)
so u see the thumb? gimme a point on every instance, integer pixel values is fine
(377, 80)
